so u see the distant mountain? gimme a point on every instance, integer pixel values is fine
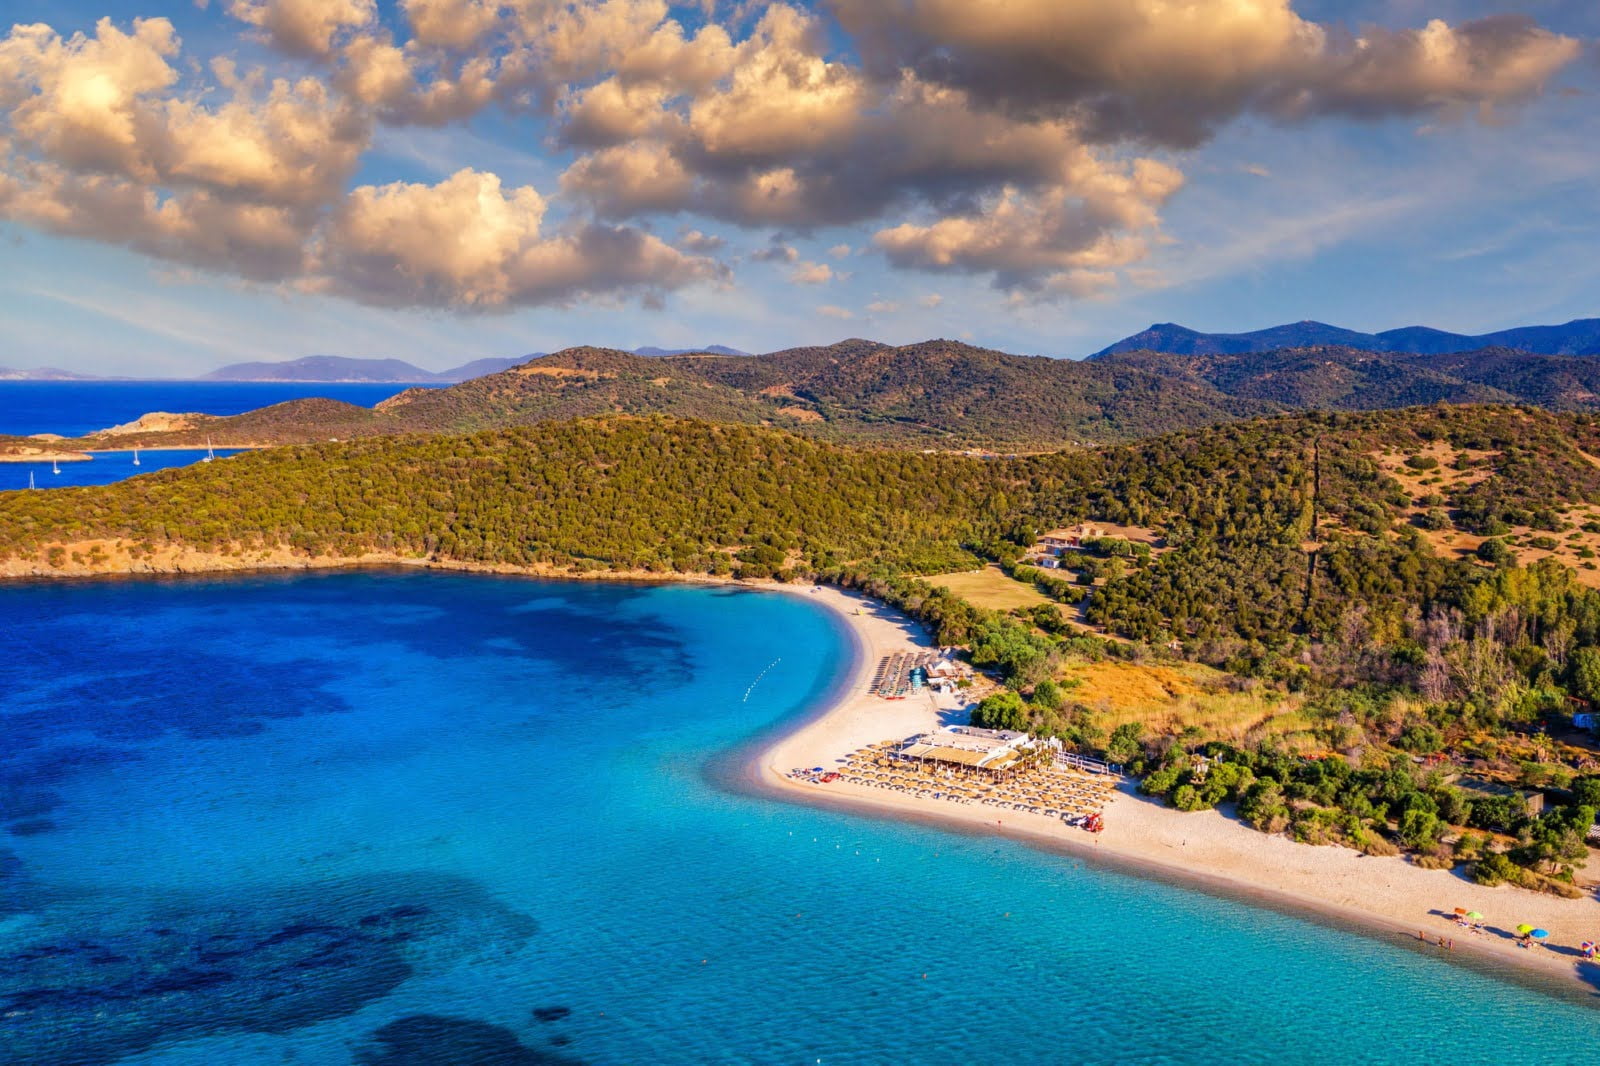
(43, 373)
(339, 369)
(1336, 377)
(710, 349)
(480, 367)
(326, 368)
(1578, 337)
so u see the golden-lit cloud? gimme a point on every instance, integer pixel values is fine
(1034, 142)
(467, 241)
(1171, 71)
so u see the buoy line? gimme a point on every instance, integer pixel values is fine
(759, 676)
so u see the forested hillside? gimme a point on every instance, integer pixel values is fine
(1384, 587)
(939, 394)
(934, 395)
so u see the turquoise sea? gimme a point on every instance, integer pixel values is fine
(383, 818)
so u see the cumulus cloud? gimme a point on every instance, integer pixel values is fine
(467, 241)
(106, 104)
(809, 273)
(450, 23)
(833, 311)
(704, 243)
(303, 27)
(1170, 71)
(1003, 138)
(882, 307)
(931, 301)
(776, 252)
(103, 139)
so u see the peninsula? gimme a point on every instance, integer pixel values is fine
(1364, 634)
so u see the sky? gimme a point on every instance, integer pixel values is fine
(184, 185)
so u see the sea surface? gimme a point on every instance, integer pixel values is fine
(73, 408)
(383, 818)
(102, 469)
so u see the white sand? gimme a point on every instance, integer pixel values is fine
(1387, 894)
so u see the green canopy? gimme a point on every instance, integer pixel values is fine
(1524, 930)
(1476, 916)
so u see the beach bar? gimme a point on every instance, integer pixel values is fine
(993, 752)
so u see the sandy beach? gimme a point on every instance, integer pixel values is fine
(1388, 896)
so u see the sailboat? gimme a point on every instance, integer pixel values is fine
(31, 485)
(210, 455)
(135, 455)
(55, 467)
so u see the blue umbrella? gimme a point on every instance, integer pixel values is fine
(1539, 934)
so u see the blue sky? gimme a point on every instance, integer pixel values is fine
(1472, 214)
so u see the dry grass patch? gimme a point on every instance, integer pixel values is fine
(991, 588)
(1168, 698)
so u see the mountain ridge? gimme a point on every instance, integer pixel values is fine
(1581, 336)
(338, 369)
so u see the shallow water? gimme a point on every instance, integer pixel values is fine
(418, 818)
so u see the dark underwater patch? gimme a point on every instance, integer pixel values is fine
(439, 1040)
(270, 963)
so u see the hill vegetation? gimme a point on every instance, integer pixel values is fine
(940, 395)
(1357, 685)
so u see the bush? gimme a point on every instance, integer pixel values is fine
(1003, 710)
(1495, 869)
(1422, 462)
(1126, 743)
(1495, 552)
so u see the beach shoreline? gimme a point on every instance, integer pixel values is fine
(1383, 896)
(1387, 897)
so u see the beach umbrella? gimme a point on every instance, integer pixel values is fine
(1524, 930)
(1539, 934)
(1461, 912)
(1475, 916)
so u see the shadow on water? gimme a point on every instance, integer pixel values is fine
(437, 1040)
(74, 992)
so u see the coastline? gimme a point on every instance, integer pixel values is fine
(1383, 896)
(1386, 896)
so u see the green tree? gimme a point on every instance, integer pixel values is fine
(1003, 710)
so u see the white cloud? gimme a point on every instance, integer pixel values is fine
(809, 273)
(882, 307)
(303, 27)
(832, 311)
(468, 242)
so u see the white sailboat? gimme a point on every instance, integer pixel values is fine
(55, 467)
(135, 455)
(210, 455)
(31, 485)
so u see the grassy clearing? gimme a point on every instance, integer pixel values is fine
(1167, 698)
(992, 588)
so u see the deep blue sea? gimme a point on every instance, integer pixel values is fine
(73, 408)
(382, 818)
(103, 469)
